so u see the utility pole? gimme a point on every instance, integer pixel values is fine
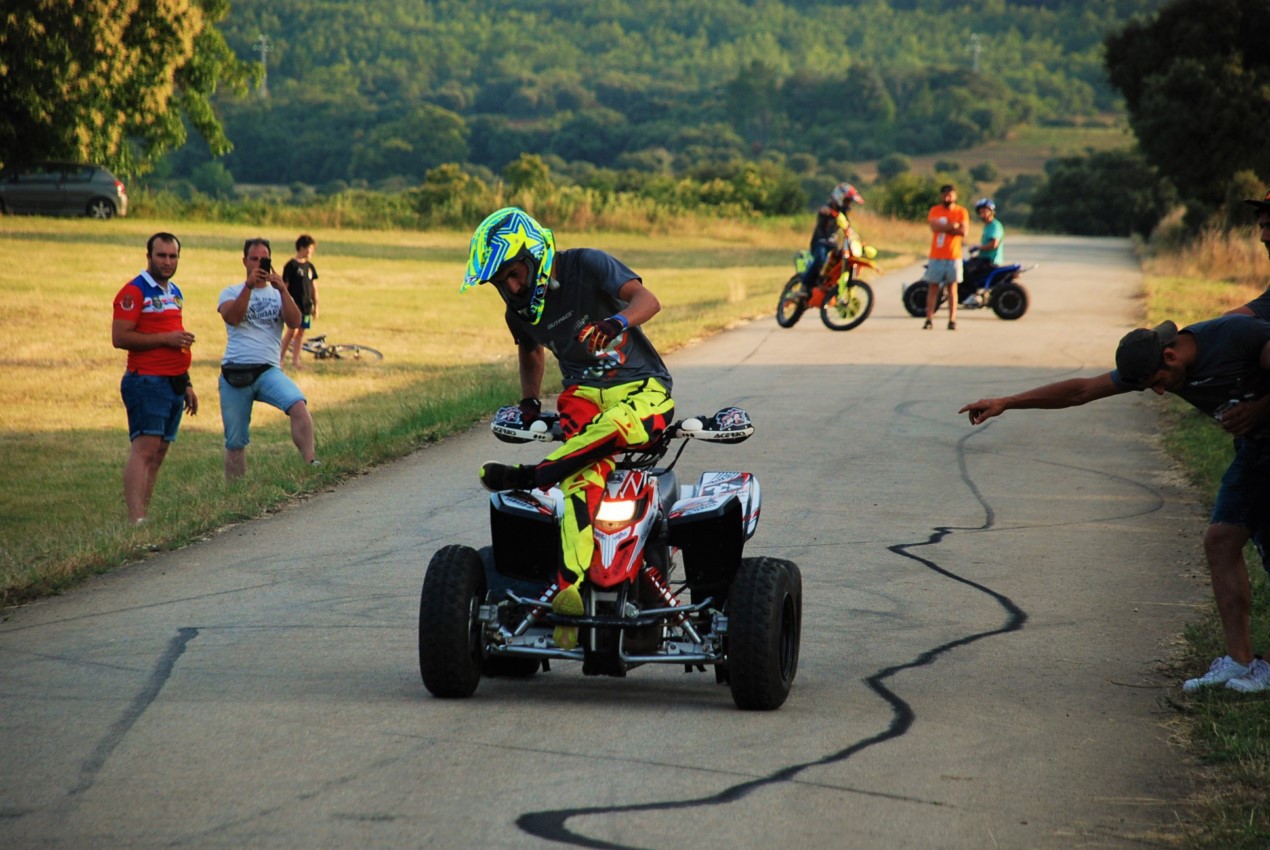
(262, 47)
(974, 51)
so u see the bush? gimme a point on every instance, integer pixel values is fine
(985, 172)
(1109, 193)
(908, 196)
(213, 179)
(892, 166)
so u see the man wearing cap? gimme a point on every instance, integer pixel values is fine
(1214, 365)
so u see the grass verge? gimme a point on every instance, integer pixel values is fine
(1229, 733)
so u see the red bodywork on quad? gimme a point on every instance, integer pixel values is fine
(621, 526)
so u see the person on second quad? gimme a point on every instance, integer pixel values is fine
(586, 306)
(830, 219)
(988, 254)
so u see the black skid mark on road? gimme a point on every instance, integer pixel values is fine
(551, 825)
(158, 678)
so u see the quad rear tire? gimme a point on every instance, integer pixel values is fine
(1008, 300)
(765, 611)
(450, 641)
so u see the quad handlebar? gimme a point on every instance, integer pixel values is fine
(729, 425)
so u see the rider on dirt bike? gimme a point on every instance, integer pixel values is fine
(832, 227)
(586, 306)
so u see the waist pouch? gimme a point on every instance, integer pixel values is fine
(180, 383)
(243, 376)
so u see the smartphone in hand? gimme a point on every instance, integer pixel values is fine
(266, 265)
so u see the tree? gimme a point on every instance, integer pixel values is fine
(213, 179)
(409, 145)
(1109, 193)
(112, 81)
(1196, 80)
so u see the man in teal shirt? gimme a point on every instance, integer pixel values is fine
(990, 244)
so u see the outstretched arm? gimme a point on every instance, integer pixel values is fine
(1070, 393)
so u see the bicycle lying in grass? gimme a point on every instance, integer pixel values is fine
(323, 350)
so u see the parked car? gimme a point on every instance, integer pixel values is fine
(62, 188)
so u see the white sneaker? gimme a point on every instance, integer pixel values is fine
(1256, 680)
(1219, 672)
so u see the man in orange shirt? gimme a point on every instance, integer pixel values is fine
(156, 387)
(948, 224)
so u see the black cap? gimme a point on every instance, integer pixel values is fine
(1262, 206)
(1139, 353)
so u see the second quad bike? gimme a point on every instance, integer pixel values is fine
(985, 285)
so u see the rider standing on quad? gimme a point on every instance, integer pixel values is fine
(991, 248)
(830, 219)
(586, 306)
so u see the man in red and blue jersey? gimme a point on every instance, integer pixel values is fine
(156, 386)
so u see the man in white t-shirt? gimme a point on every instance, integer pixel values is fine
(255, 312)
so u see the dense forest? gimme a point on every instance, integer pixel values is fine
(380, 92)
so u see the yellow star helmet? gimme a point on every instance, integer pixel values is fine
(505, 236)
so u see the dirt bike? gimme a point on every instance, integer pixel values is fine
(844, 300)
(985, 285)
(488, 612)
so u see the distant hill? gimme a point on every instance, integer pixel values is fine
(382, 91)
(1024, 151)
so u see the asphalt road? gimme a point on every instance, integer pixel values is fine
(986, 613)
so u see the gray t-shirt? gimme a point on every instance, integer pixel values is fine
(1227, 364)
(257, 339)
(589, 282)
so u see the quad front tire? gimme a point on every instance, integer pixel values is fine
(765, 611)
(915, 299)
(450, 641)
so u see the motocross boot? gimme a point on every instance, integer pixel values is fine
(568, 600)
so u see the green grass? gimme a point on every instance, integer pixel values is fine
(448, 361)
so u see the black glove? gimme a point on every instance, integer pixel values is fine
(530, 409)
(597, 336)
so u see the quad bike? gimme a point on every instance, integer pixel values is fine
(985, 285)
(844, 300)
(488, 612)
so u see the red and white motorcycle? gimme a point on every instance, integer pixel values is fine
(668, 583)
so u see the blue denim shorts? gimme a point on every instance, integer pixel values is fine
(153, 409)
(943, 272)
(1244, 495)
(273, 387)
